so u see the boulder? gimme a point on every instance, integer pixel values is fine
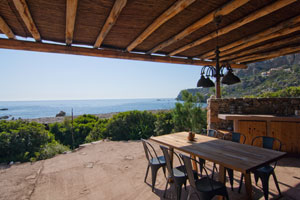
(4, 117)
(3, 108)
(61, 114)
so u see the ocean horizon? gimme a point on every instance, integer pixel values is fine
(49, 108)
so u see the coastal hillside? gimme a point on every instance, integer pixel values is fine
(261, 77)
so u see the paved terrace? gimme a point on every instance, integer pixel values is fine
(114, 170)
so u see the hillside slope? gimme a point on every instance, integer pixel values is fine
(266, 76)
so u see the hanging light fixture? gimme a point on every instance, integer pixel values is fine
(206, 82)
(217, 71)
(230, 78)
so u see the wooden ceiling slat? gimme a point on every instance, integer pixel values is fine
(6, 29)
(275, 44)
(251, 38)
(253, 16)
(24, 13)
(277, 34)
(269, 55)
(224, 10)
(70, 20)
(43, 47)
(176, 8)
(110, 21)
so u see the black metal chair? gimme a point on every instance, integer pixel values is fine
(210, 133)
(177, 174)
(205, 188)
(266, 171)
(236, 137)
(155, 162)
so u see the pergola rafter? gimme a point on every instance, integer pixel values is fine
(269, 55)
(224, 10)
(70, 20)
(24, 13)
(267, 34)
(110, 21)
(6, 29)
(177, 7)
(292, 39)
(253, 16)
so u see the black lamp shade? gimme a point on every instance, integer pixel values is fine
(230, 78)
(205, 82)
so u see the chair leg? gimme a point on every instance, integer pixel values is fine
(164, 195)
(154, 173)
(146, 173)
(276, 183)
(164, 170)
(230, 174)
(265, 184)
(201, 164)
(256, 177)
(189, 195)
(178, 191)
(241, 183)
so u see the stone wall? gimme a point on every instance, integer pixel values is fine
(275, 106)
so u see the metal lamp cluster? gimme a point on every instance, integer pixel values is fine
(209, 71)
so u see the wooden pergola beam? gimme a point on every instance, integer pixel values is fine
(224, 10)
(110, 21)
(268, 55)
(277, 34)
(253, 16)
(54, 48)
(289, 23)
(70, 20)
(262, 48)
(6, 29)
(24, 13)
(176, 8)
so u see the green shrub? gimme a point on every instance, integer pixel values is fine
(49, 151)
(189, 115)
(164, 123)
(131, 125)
(81, 128)
(99, 131)
(20, 140)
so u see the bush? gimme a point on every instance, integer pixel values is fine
(22, 141)
(99, 131)
(189, 116)
(49, 151)
(164, 123)
(81, 128)
(131, 125)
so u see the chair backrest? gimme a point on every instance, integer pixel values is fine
(238, 137)
(148, 153)
(267, 142)
(189, 170)
(212, 133)
(165, 151)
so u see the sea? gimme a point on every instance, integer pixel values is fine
(40, 109)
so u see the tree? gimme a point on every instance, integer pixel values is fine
(189, 115)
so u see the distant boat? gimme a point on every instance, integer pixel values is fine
(3, 108)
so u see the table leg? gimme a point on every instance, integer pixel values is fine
(248, 185)
(222, 178)
(194, 163)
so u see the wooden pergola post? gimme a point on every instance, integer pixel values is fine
(218, 86)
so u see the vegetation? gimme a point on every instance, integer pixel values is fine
(287, 92)
(262, 77)
(24, 141)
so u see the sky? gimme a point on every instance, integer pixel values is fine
(27, 75)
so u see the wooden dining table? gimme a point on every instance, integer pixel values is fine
(236, 156)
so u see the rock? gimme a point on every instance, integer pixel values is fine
(3, 108)
(4, 117)
(61, 114)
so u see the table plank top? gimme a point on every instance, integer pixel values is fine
(292, 118)
(236, 156)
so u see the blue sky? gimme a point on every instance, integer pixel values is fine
(29, 75)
